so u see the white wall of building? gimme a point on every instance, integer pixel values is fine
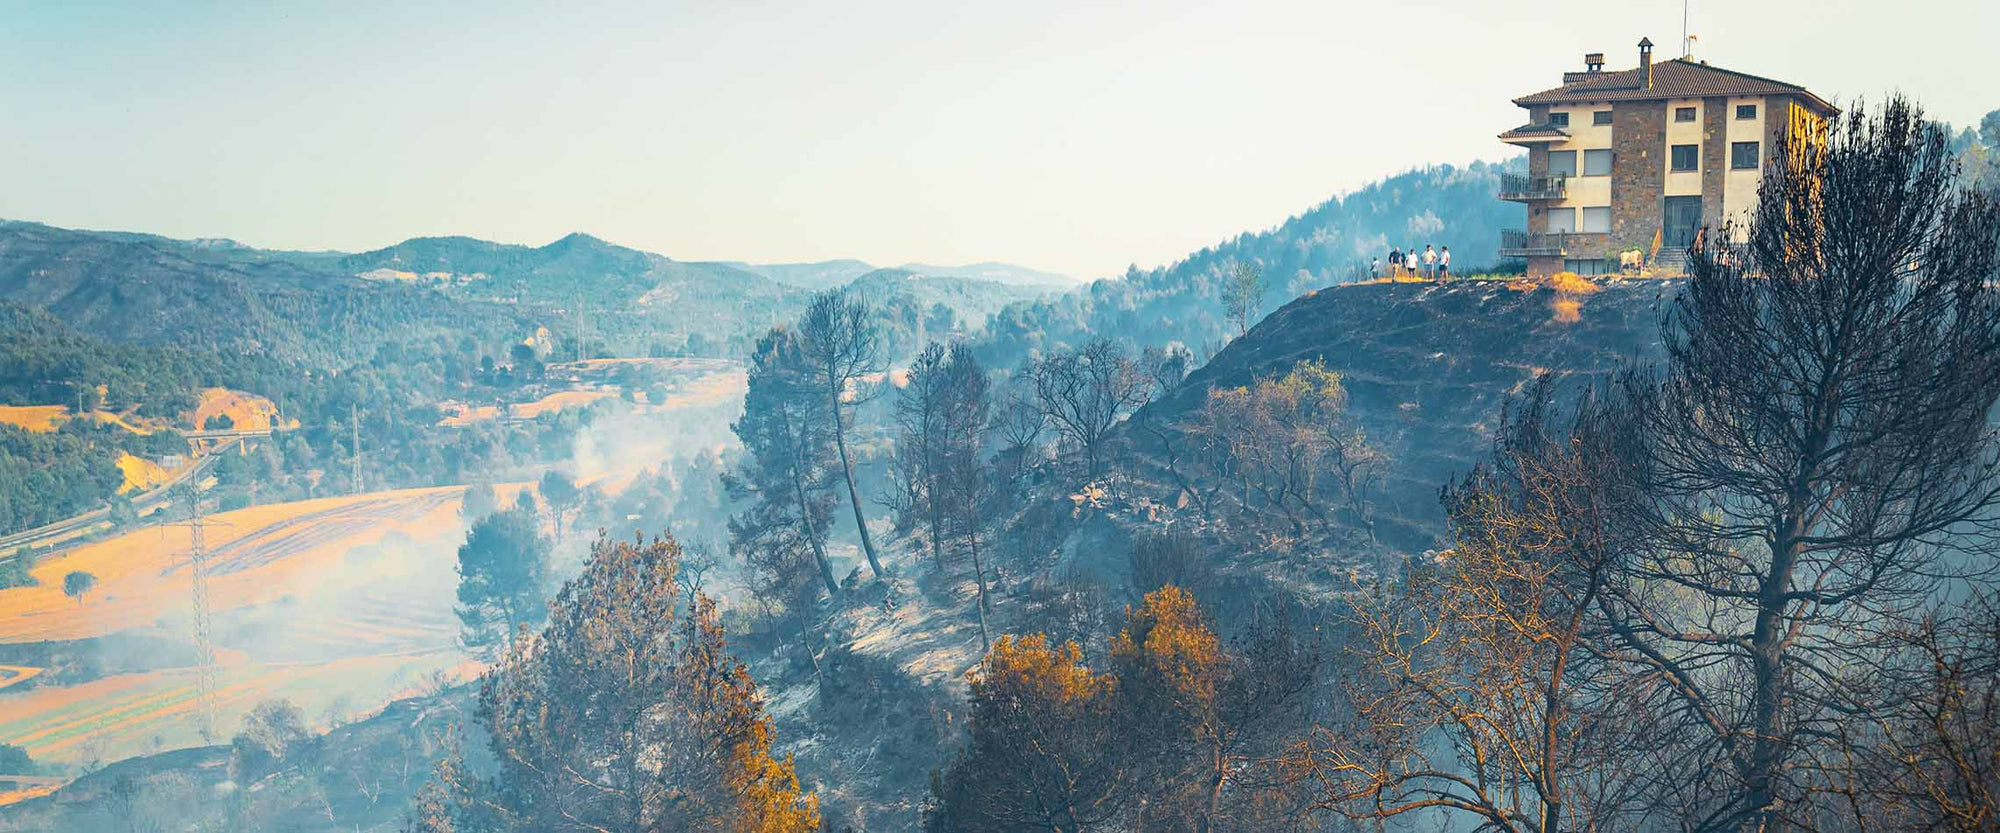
(1739, 188)
(1683, 183)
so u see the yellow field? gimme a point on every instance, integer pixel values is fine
(333, 603)
(558, 401)
(37, 418)
(547, 404)
(249, 411)
(140, 473)
(257, 554)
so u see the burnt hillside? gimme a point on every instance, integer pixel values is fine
(1428, 368)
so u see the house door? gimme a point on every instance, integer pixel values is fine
(1682, 220)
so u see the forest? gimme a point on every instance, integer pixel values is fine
(1249, 542)
(1747, 586)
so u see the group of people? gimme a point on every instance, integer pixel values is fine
(1434, 264)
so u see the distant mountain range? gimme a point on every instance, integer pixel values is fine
(333, 307)
(828, 274)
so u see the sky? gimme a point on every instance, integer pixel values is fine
(1072, 137)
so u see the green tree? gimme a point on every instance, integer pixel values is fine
(841, 345)
(501, 569)
(562, 496)
(786, 434)
(77, 584)
(1243, 294)
(627, 712)
(123, 514)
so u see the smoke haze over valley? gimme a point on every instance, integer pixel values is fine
(924, 418)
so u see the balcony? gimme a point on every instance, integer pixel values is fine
(1523, 188)
(1515, 243)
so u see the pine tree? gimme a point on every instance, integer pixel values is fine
(786, 434)
(626, 713)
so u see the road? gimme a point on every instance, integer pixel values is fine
(141, 502)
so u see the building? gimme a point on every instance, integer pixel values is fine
(1638, 160)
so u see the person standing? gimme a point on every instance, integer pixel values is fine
(1430, 261)
(1444, 264)
(1374, 267)
(1395, 260)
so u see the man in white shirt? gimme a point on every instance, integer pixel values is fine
(1430, 261)
(1444, 264)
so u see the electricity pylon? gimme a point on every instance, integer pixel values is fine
(205, 673)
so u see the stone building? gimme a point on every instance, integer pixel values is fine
(1638, 160)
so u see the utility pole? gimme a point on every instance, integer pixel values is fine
(354, 425)
(205, 673)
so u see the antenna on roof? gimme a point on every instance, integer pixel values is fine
(1687, 40)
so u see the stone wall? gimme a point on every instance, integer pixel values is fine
(1714, 158)
(1637, 172)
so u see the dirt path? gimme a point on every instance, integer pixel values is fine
(11, 674)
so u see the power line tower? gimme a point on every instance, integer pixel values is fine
(354, 425)
(205, 673)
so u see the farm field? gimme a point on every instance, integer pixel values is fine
(337, 604)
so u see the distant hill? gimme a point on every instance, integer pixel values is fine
(825, 274)
(832, 274)
(330, 309)
(284, 305)
(1001, 273)
(618, 300)
(972, 300)
(1326, 245)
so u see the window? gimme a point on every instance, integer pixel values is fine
(1686, 157)
(1562, 163)
(1597, 163)
(1746, 111)
(1600, 117)
(1562, 219)
(1743, 156)
(1683, 114)
(1596, 220)
(1591, 266)
(1559, 119)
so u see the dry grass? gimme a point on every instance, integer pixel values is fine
(1572, 283)
(40, 419)
(140, 473)
(141, 575)
(248, 411)
(343, 627)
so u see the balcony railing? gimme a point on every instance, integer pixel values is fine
(1523, 188)
(1515, 243)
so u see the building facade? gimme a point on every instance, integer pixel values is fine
(1638, 160)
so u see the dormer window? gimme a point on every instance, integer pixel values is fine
(1559, 119)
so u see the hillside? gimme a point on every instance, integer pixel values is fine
(1328, 244)
(1428, 368)
(286, 306)
(1001, 273)
(831, 274)
(825, 274)
(972, 300)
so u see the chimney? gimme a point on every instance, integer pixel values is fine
(1593, 62)
(1646, 63)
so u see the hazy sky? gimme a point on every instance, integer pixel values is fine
(1064, 138)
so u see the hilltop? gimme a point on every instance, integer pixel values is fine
(1328, 244)
(1428, 368)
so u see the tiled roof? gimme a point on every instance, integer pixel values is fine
(1536, 130)
(1677, 78)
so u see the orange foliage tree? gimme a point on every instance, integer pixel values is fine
(1186, 732)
